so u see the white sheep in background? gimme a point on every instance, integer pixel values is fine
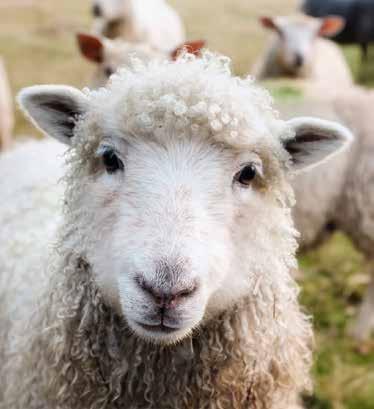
(30, 202)
(153, 22)
(6, 109)
(297, 51)
(170, 286)
(110, 55)
(340, 193)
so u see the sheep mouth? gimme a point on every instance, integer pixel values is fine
(158, 328)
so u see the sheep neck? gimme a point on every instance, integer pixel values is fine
(215, 367)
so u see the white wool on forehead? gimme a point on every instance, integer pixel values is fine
(190, 96)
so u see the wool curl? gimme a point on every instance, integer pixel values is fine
(197, 96)
(78, 352)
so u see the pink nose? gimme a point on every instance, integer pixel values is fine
(167, 298)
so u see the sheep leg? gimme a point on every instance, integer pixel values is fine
(5, 139)
(365, 322)
(364, 52)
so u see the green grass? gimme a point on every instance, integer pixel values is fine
(363, 72)
(333, 284)
(37, 42)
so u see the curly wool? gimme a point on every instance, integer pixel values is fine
(195, 96)
(77, 352)
(83, 355)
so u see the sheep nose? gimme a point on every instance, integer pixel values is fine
(299, 60)
(167, 298)
(96, 11)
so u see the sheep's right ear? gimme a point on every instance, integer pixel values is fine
(91, 47)
(54, 109)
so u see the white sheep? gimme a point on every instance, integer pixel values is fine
(297, 51)
(170, 285)
(30, 200)
(6, 109)
(152, 22)
(339, 195)
(110, 55)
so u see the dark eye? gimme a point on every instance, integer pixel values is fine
(111, 162)
(246, 175)
(108, 72)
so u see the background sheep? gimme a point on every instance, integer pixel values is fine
(359, 17)
(30, 202)
(345, 199)
(153, 22)
(110, 55)
(6, 110)
(296, 51)
(173, 249)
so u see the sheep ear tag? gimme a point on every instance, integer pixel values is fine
(54, 109)
(314, 141)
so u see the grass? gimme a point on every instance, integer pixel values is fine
(37, 42)
(333, 282)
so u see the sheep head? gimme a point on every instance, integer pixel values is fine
(297, 35)
(110, 55)
(178, 192)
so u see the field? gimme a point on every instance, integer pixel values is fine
(38, 44)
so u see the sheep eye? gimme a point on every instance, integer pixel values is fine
(108, 72)
(246, 175)
(111, 161)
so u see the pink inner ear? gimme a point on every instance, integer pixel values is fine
(268, 22)
(91, 47)
(331, 26)
(192, 47)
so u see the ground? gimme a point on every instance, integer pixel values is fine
(38, 44)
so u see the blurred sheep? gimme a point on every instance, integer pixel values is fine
(297, 51)
(109, 55)
(358, 14)
(6, 109)
(339, 195)
(148, 21)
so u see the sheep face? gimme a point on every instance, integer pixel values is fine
(297, 35)
(109, 16)
(178, 215)
(170, 214)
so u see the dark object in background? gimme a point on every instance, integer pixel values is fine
(359, 16)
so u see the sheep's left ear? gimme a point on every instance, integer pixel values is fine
(54, 109)
(331, 26)
(315, 140)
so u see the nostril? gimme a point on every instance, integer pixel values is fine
(96, 11)
(166, 299)
(299, 60)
